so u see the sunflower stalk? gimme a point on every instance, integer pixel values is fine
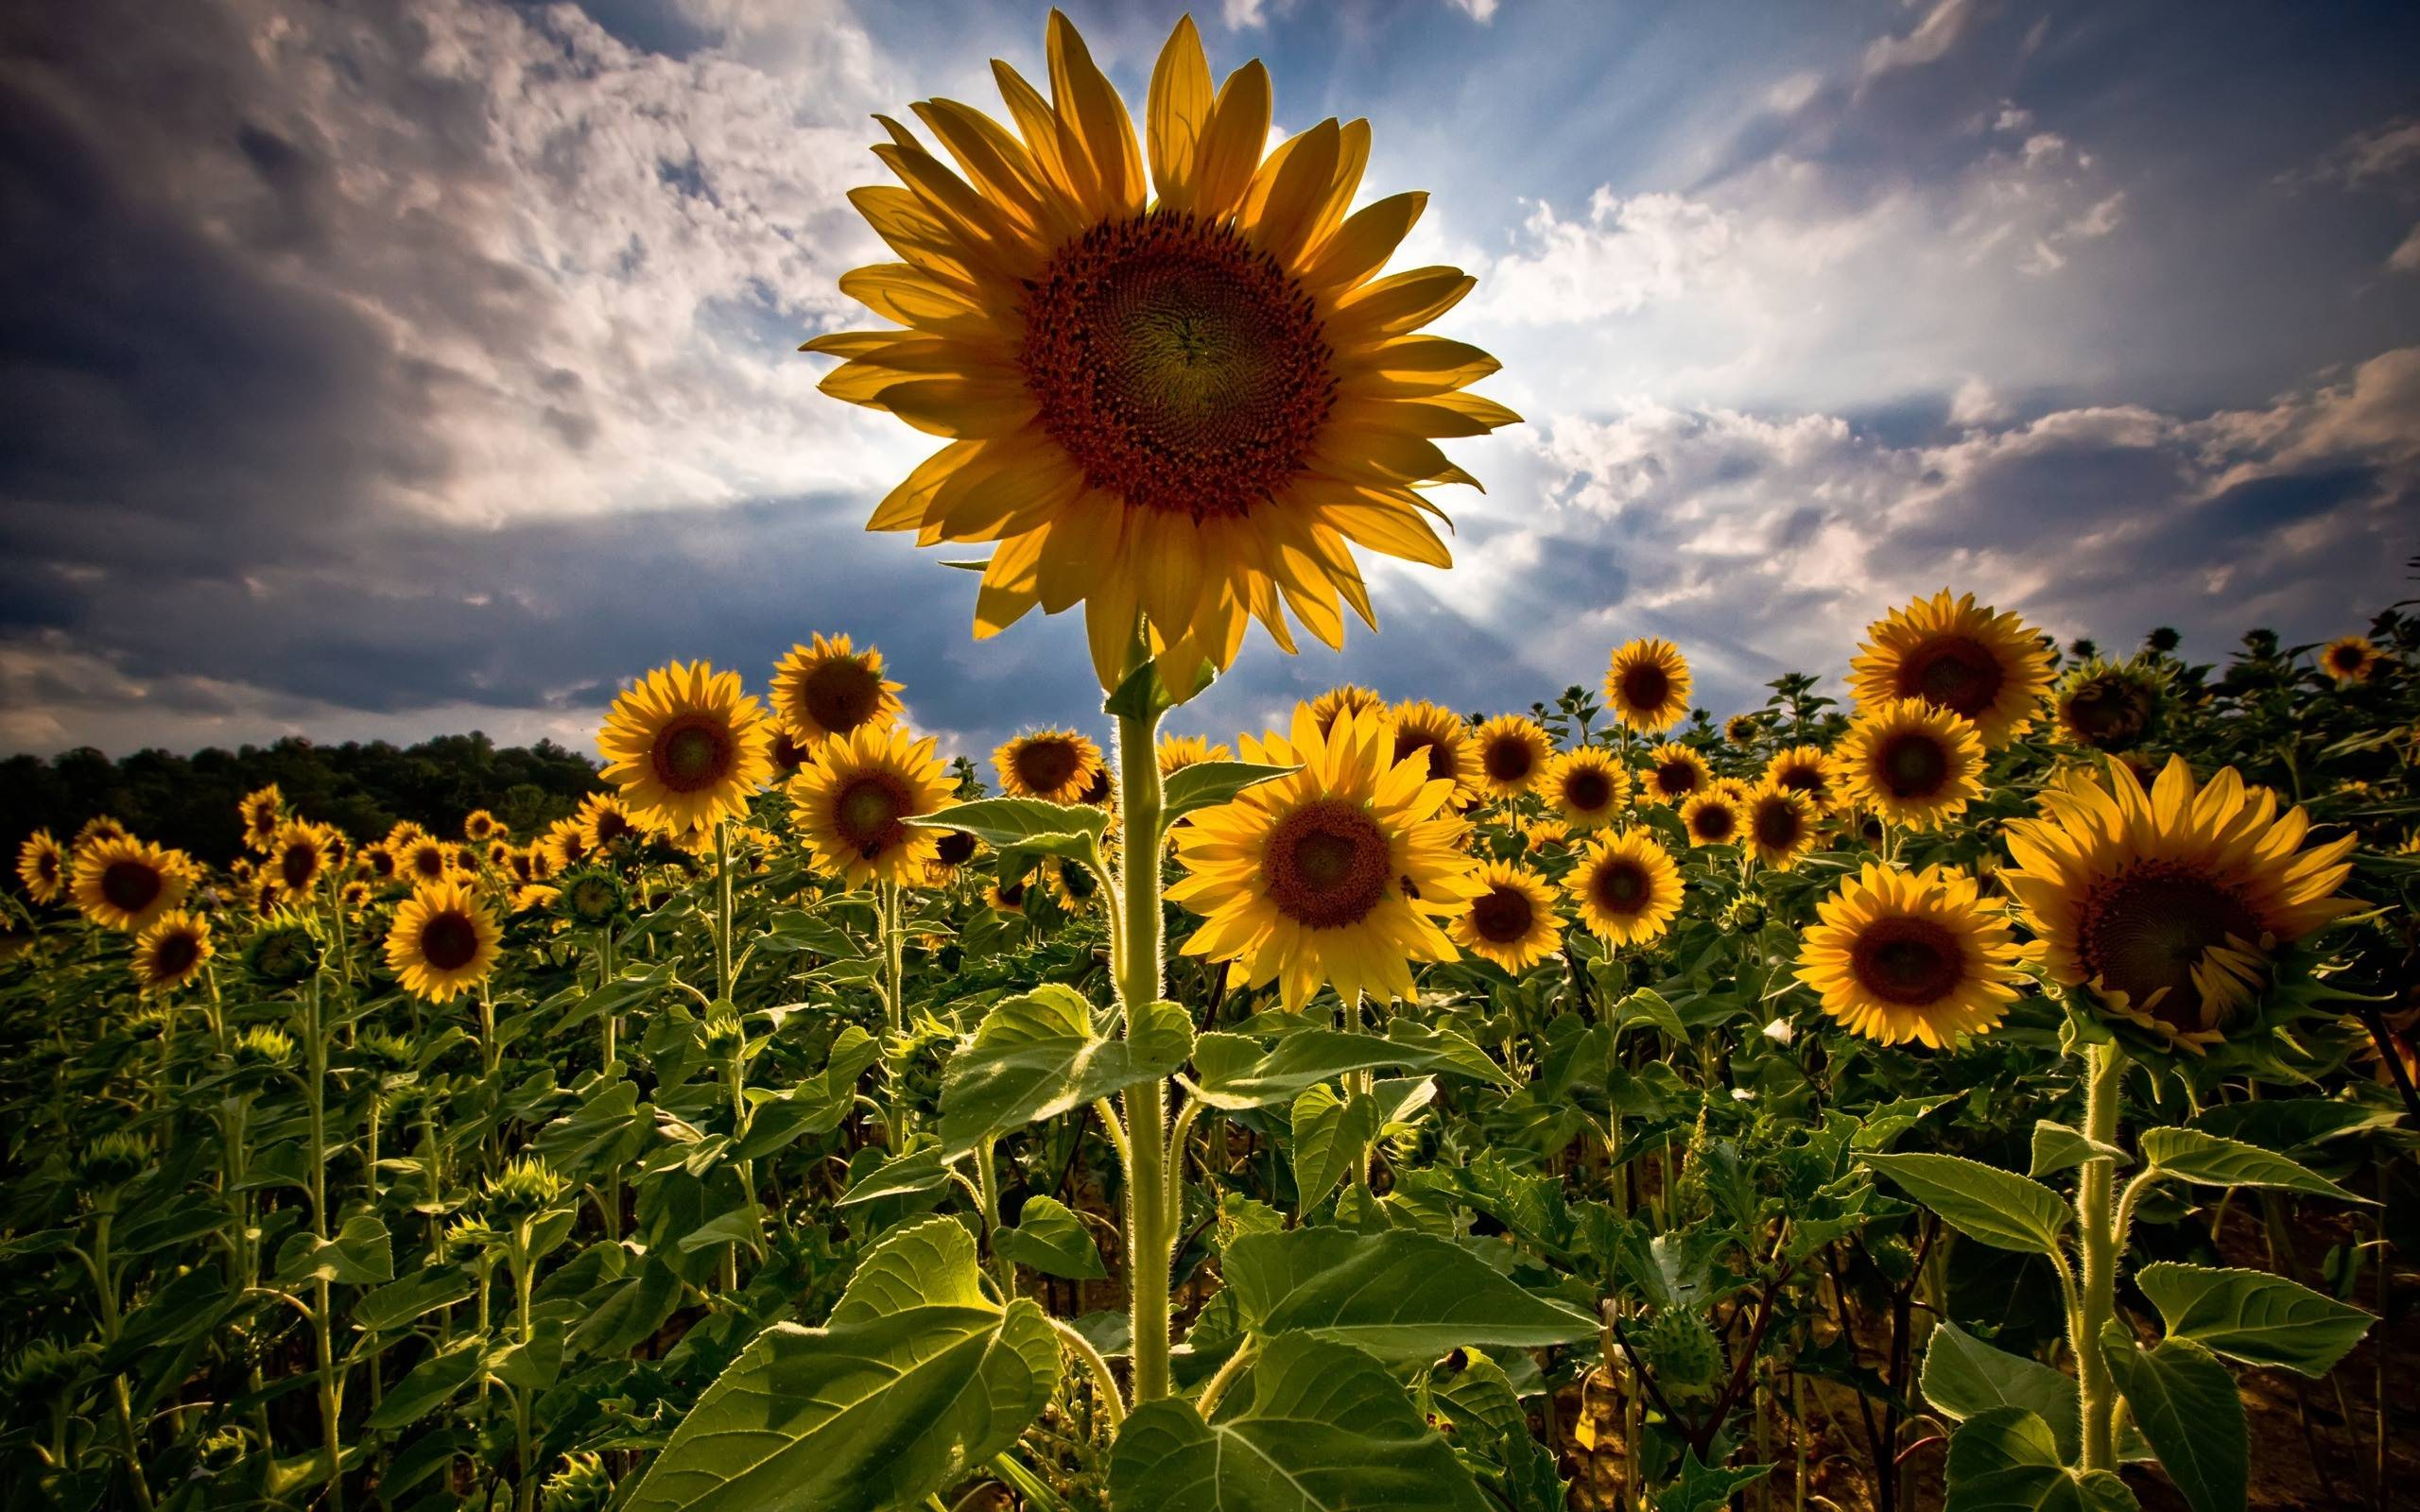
(1150, 1229)
(2098, 1240)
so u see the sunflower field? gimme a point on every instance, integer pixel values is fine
(1986, 1085)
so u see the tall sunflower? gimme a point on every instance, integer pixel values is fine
(125, 885)
(297, 857)
(1627, 887)
(1779, 825)
(687, 747)
(605, 821)
(1345, 698)
(1899, 957)
(563, 847)
(1807, 771)
(443, 942)
(2170, 904)
(1980, 665)
(1513, 750)
(479, 827)
(1056, 766)
(1337, 874)
(100, 827)
(1177, 752)
(169, 954)
(262, 810)
(1675, 774)
(1744, 729)
(1647, 687)
(1437, 734)
(1911, 762)
(1171, 379)
(1711, 818)
(41, 866)
(854, 796)
(2109, 706)
(831, 688)
(1513, 922)
(1587, 786)
(2350, 659)
(424, 861)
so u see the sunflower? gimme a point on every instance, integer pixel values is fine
(41, 866)
(1345, 698)
(100, 827)
(687, 747)
(1587, 787)
(1101, 791)
(1436, 732)
(404, 837)
(1744, 729)
(1899, 957)
(1730, 788)
(424, 861)
(1675, 774)
(1071, 883)
(604, 821)
(952, 850)
(1711, 818)
(1911, 762)
(1540, 836)
(125, 885)
(1627, 887)
(169, 954)
(1779, 824)
(2350, 659)
(563, 847)
(1513, 922)
(851, 803)
(1512, 754)
(444, 941)
(1982, 665)
(1338, 873)
(498, 855)
(354, 895)
(1190, 403)
(264, 894)
(1006, 896)
(831, 688)
(1647, 687)
(1807, 771)
(2109, 706)
(479, 827)
(535, 898)
(262, 811)
(1056, 766)
(2170, 903)
(297, 857)
(1177, 752)
(788, 754)
(521, 863)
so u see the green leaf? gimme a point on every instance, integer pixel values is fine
(1071, 831)
(1038, 1055)
(1051, 1239)
(2187, 1406)
(1325, 1429)
(414, 1296)
(924, 1170)
(1205, 785)
(1888, 1120)
(918, 1376)
(1965, 1378)
(531, 1366)
(1232, 1071)
(1330, 1133)
(631, 1315)
(1698, 1487)
(1398, 1294)
(2057, 1148)
(2006, 1460)
(1983, 1202)
(2223, 1162)
(358, 1256)
(2254, 1316)
(1647, 1007)
(430, 1386)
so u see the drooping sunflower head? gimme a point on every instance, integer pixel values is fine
(592, 898)
(262, 811)
(1911, 762)
(1006, 895)
(1513, 750)
(687, 747)
(1438, 736)
(1177, 752)
(1647, 687)
(285, 951)
(1588, 787)
(1341, 873)
(41, 866)
(831, 688)
(479, 827)
(852, 802)
(1744, 729)
(1056, 766)
(1345, 698)
(1072, 886)
(2110, 705)
(2350, 659)
(1910, 956)
(1171, 379)
(1711, 818)
(1676, 773)
(1984, 667)
(605, 823)
(170, 953)
(297, 857)
(2170, 903)
(97, 829)
(1626, 888)
(125, 885)
(443, 942)
(1513, 922)
(1779, 824)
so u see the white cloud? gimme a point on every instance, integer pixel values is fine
(1481, 11)
(1241, 14)
(2406, 256)
(1944, 26)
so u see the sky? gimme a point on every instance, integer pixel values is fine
(378, 371)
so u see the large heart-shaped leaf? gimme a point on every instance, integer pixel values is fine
(1331, 1130)
(1965, 1378)
(2254, 1316)
(1071, 831)
(918, 1375)
(1983, 1202)
(1052, 1240)
(2185, 1403)
(1037, 1055)
(1397, 1294)
(2006, 1460)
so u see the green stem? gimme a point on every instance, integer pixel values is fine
(1106, 1393)
(1004, 1271)
(723, 910)
(331, 1402)
(894, 1002)
(1150, 1235)
(2097, 1240)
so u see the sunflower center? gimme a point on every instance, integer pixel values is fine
(1180, 368)
(175, 955)
(1914, 764)
(1327, 864)
(131, 885)
(297, 865)
(2107, 714)
(449, 941)
(1808, 779)
(1588, 789)
(1714, 823)
(1953, 673)
(1078, 881)
(1621, 885)
(1508, 760)
(956, 847)
(2344, 658)
(841, 694)
(1675, 778)
(2146, 929)
(866, 812)
(1911, 962)
(1645, 687)
(382, 863)
(1777, 827)
(1013, 893)
(429, 861)
(1045, 765)
(612, 824)
(1502, 916)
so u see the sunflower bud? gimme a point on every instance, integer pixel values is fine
(112, 1161)
(283, 953)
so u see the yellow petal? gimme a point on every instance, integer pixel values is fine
(1182, 98)
(1231, 148)
(1088, 104)
(1287, 191)
(1363, 243)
